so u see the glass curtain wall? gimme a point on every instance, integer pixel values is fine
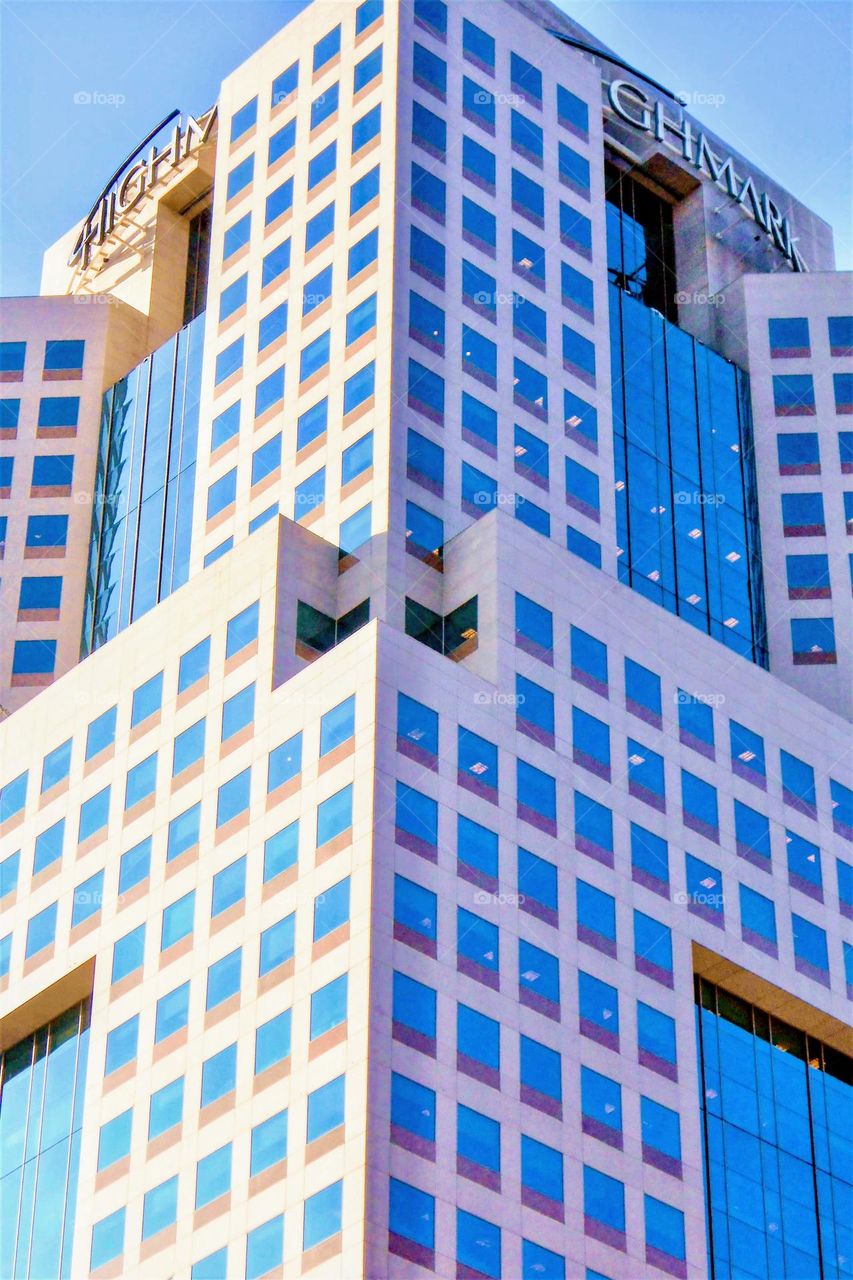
(776, 1107)
(143, 508)
(42, 1086)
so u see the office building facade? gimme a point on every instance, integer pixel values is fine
(426, 831)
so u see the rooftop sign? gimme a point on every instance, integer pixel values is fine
(138, 175)
(633, 105)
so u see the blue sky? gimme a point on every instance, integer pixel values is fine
(781, 67)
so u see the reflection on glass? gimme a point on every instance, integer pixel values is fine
(42, 1085)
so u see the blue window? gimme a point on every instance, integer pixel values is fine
(364, 190)
(328, 1006)
(240, 177)
(331, 909)
(47, 531)
(40, 593)
(603, 1199)
(166, 1108)
(232, 298)
(652, 948)
(356, 458)
(593, 828)
(325, 1109)
(432, 15)
(337, 726)
(810, 951)
(58, 411)
(160, 1207)
(177, 920)
(281, 851)
(655, 1037)
(284, 85)
(325, 105)
(599, 1010)
(272, 1041)
(574, 169)
(804, 870)
(591, 742)
(94, 815)
(88, 899)
(596, 911)
(34, 657)
(213, 1176)
(601, 1106)
(264, 1248)
(476, 941)
(312, 424)
(327, 48)
(236, 236)
(12, 356)
(322, 1217)
(813, 639)
(536, 793)
(194, 665)
(478, 104)
(285, 762)
(802, 514)
(539, 1263)
(366, 129)
(798, 783)
(478, 1138)
(416, 814)
(270, 328)
(242, 630)
(322, 165)
(429, 131)
(542, 1169)
(41, 931)
(134, 866)
(412, 1107)
(478, 164)
(798, 453)
(478, 46)
(572, 112)
(361, 320)
(578, 355)
(538, 975)
(699, 803)
(525, 78)
(747, 751)
(275, 263)
(478, 1244)
(528, 198)
(530, 389)
(171, 1013)
(268, 1143)
(841, 798)
(55, 768)
(233, 798)
(314, 357)
(121, 1045)
(356, 529)
(267, 458)
(146, 700)
(359, 387)
(664, 1228)
(478, 1041)
(540, 1075)
(642, 692)
(414, 1010)
(222, 493)
(114, 1140)
(141, 781)
(334, 815)
(429, 195)
(645, 773)
(477, 848)
(479, 226)
(244, 119)
(704, 889)
(277, 944)
(789, 337)
(188, 747)
(362, 254)
(223, 979)
(229, 887)
(757, 919)
(101, 733)
(64, 356)
(183, 832)
(107, 1240)
(48, 846)
(479, 491)
(367, 70)
(534, 627)
(526, 137)
(54, 471)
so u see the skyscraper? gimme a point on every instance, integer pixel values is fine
(440, 860)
